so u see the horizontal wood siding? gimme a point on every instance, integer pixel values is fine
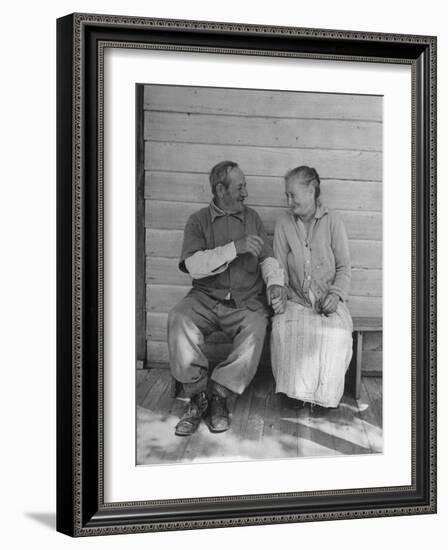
(263, 103)
(188, 129)
(263, 191)
(262, 131)
(263, 161)
(174, 215)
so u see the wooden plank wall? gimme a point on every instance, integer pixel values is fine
(189, 129)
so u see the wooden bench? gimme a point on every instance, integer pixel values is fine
(354, 372)
(360, 326)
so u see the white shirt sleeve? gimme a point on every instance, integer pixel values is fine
(272, 273)
(210, 262)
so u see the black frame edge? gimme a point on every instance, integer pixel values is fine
(64, 172)
(425, 271)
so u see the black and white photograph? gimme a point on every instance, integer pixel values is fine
(259, 243)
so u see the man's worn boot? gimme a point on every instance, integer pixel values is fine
(191, 419)
(219, 414)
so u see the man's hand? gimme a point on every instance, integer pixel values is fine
(249, 243)
(277, 298)
(329, 304)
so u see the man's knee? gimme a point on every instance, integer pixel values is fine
(175, 317)
(256, 322)
(179, 316)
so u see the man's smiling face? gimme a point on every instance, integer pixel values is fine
(232, 199)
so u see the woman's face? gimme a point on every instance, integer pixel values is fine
(300, 197)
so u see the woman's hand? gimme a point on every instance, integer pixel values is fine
(277, 297)
(329, 304)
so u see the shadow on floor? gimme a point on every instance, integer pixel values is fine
(47, 519)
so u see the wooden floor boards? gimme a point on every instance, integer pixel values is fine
(264, 424)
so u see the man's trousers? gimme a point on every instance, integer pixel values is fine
(192, 320)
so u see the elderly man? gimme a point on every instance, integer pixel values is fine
(226, 252)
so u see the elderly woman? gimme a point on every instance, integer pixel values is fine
(311, 339)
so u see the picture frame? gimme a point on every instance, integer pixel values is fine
(81, 506)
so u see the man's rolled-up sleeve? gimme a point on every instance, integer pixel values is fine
(205, 263)
(271, 270)
(199, 261)
(272, 273)
(194, 240)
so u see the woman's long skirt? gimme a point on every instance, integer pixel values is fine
(310, 353)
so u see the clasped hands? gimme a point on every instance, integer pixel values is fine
(277, 298)
(328, 304)
(276, 294)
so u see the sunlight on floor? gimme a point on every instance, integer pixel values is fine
(155, 438)
(313, 437)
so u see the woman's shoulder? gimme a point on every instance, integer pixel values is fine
(333, 216)
(336, 224)
(283, 219)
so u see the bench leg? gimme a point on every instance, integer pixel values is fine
(358, 362)
(176, 387)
